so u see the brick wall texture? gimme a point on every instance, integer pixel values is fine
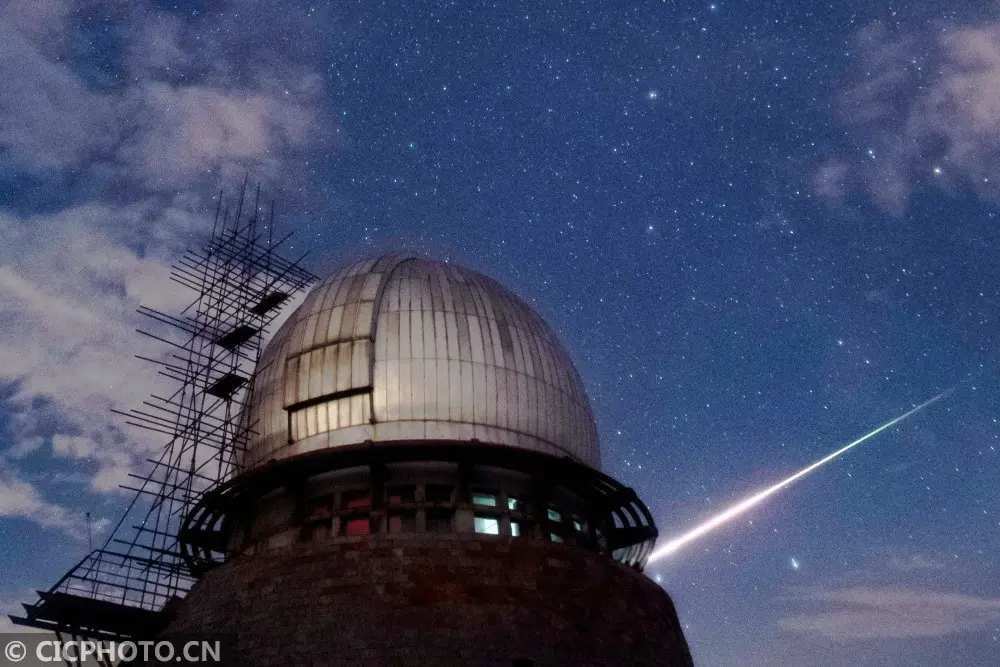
(428, 600)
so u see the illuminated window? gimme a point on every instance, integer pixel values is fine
(578, 527)
(438, 493)
(555, 538)
(487, 525)
(439, 521)
(355, 526)
(515, 529)
(403, 522)
(397, 495)
(515, 504)
(554, 515)
(484, 498)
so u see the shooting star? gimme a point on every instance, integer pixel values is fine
(759, 497)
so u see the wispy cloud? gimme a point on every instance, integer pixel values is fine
(890, 613)
(144, 129)
(20, 499)
(922, 110)
(916, 562)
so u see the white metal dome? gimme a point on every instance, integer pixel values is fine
(403, 348)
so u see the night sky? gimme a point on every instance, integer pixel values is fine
(761, 230)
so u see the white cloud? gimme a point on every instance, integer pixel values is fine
(20, 499)
(67, 310)
(187, 131)
(915, 562)
(11, 604)
(73, 446)
(195, 104)
(51, 119)
(891, 613)
(922, 110)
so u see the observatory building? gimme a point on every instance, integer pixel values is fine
(422, 486)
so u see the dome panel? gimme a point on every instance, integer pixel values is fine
(403, 348)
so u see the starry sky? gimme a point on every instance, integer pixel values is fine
(761, 230)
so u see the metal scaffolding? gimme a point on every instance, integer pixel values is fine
(125, 588)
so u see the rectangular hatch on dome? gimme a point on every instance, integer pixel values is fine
(327, 373)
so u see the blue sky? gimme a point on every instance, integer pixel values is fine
(761, 231)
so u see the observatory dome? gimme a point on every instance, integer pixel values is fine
(401, 348)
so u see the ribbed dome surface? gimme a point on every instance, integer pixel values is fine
(404, 348)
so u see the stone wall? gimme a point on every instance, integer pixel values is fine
(435, 600)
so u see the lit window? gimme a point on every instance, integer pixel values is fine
(487, 525)
(357, 526)
(554, 515)
(484, 498)
(403, 522)
(397, 495)
(438, 493)
(555, 538)
(578, 526)
(515, 529)
(515, 504)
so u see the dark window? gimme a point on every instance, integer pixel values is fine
(319, 508)
(355, 499)
(520, 529)
(402, 522)
(355, 526)
(439, 521)
(397, 495)
(438, 493)
(314, 531)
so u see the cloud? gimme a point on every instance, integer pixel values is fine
(921, 110)
(21, 499)
(11, 604)
(135, 138)
(67, 321)
(915, 562)
(891, 613)
(186, 131)
(51, 119)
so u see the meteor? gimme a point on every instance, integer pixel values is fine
(759, 497)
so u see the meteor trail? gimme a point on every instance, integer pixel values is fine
(759, 497)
